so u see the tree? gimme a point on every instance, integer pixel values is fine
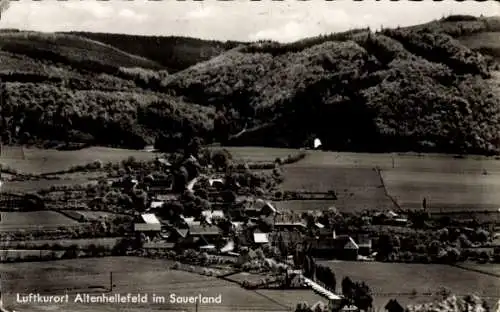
(347, 287)
(221, 159)
(362, 297)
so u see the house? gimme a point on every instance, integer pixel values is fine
(265, 207)
(394, 306)
(346, 247)
(148, 223)
(204, 234)
(260, 238)
(365, 245)
(290, 226)
(217, 183)
(341, 247)
(156, 204)
(163, 162)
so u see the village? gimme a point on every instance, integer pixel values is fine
(220, 215)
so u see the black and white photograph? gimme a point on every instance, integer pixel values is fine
(249, 156)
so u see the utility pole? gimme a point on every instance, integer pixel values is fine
(110, 281)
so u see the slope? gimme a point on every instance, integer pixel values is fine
(415, 88)
(175, 53)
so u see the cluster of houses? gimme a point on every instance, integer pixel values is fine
(206, 235)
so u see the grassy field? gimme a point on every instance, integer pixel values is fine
(7, 254)
(87, 214)
(34, 218)
(34, 160)
(134, 275)
(444, 191)
(257, 154)
(36, 185)
(399, 280)
(488, 268)
(82, 243)
(356, 188)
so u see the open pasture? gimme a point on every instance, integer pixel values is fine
(130, 275)
(36, 185)
(406, 162)
(87, 214)
(83, 243)
(36, 161)
(356, 188)
(399, 280)
(259, 154)
(444, 191)
(34, 218)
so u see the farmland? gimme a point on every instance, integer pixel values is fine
(444, 190)
(87, 215)
(256, 154)
(64, 243)
(34, 218)
(130, 274)
(356, 188)
(36, 161)
(391, 280)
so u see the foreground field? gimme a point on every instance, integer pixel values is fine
(134, 275)
(444, 191)
(400, 280)
(34, 160)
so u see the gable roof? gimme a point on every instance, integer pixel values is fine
(345, 242)
(156, 204)
(150, 218)
(198, 229)
(260, 238)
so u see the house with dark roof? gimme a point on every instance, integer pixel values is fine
(340, 247)
(394, 306)
(365, 244)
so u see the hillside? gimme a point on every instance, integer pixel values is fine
(430, 87)
(174, 53)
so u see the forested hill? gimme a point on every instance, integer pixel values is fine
(432, 87)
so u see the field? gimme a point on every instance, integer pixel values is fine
(134, 275)
(87, 214)
(36, 185)
(34, 218)
(399, 280)
(253, 154)
(487, 268)
(444, 190)
(356, 188)
(22, 253)
(82, 243)
(36, 161)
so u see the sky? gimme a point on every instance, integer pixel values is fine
(242, 20)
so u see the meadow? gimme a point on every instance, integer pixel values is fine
(357, 189)
(259, 154)
(34, 218)
(83, 243)
(400, 280)
(444, 190)
(37, 161)
(130, 274)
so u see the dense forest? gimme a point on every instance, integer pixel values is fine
(433, 87)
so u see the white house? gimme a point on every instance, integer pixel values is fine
(149, 223)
